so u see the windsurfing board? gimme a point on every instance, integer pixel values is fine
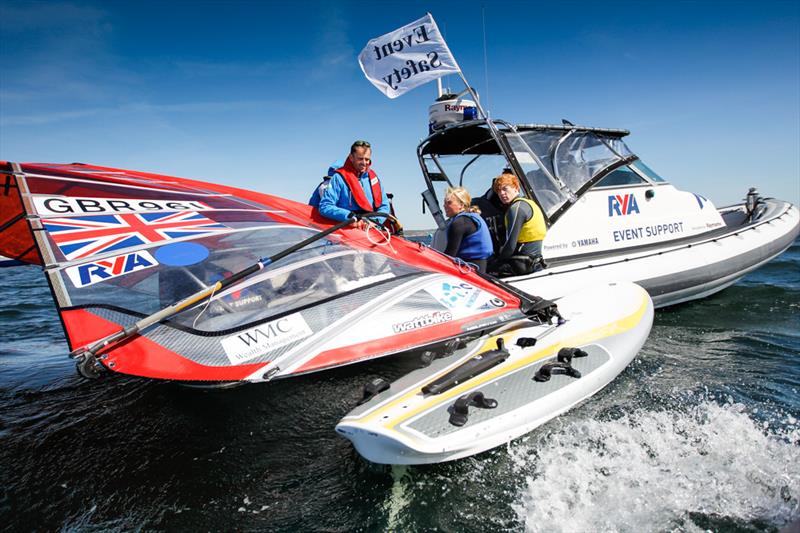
(505, 384)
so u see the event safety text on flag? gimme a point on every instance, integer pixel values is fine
(405, 58)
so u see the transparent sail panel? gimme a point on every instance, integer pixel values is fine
(315, 277)
(148, 280)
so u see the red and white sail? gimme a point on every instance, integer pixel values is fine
(119, 245)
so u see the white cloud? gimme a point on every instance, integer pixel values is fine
(334, 46)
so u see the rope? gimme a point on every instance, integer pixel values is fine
(463, 266)
(383, 232)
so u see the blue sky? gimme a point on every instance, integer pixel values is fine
(265, 95)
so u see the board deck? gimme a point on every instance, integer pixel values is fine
(405, 425)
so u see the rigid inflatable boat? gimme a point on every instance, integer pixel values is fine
(610, 217)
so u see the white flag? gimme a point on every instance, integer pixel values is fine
(399, 61)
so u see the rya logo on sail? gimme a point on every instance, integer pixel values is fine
(112, 267)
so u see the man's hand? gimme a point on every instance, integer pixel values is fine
(359, 223)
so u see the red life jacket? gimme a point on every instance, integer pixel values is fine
(348, 172)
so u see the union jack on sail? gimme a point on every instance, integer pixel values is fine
(84, 236)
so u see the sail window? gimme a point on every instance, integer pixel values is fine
(321, 271)
(307, 281)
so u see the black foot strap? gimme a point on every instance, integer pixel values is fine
(562, 365)
(565, 355)
(373, 388)
(459, 411)
(551, 369)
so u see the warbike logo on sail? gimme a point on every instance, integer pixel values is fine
(423, 321)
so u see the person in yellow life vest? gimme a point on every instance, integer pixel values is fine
(525, 228)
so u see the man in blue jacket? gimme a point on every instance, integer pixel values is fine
(354, 188)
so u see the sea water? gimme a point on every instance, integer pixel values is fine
(700, 433)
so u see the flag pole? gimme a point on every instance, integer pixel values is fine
(492, 127)
(474, 94)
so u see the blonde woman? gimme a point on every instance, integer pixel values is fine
(467, 234)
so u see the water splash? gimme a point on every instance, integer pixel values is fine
(682, 470)
(399, 497)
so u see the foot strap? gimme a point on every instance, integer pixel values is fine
(459, 411)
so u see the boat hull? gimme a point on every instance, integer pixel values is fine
(406, 426)
(675, 273)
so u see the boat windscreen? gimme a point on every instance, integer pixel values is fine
(548, 192)
(583, 155)
(559, 163)
(647, 171)
(621, 177)
(574, 159)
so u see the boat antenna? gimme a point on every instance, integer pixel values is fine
(485, 56)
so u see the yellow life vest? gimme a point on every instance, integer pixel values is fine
(534, 228)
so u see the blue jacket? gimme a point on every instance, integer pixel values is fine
(326, 180)
(316, 195)
(477, 245)
(337, 202)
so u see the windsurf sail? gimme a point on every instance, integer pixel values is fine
(118, 245)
